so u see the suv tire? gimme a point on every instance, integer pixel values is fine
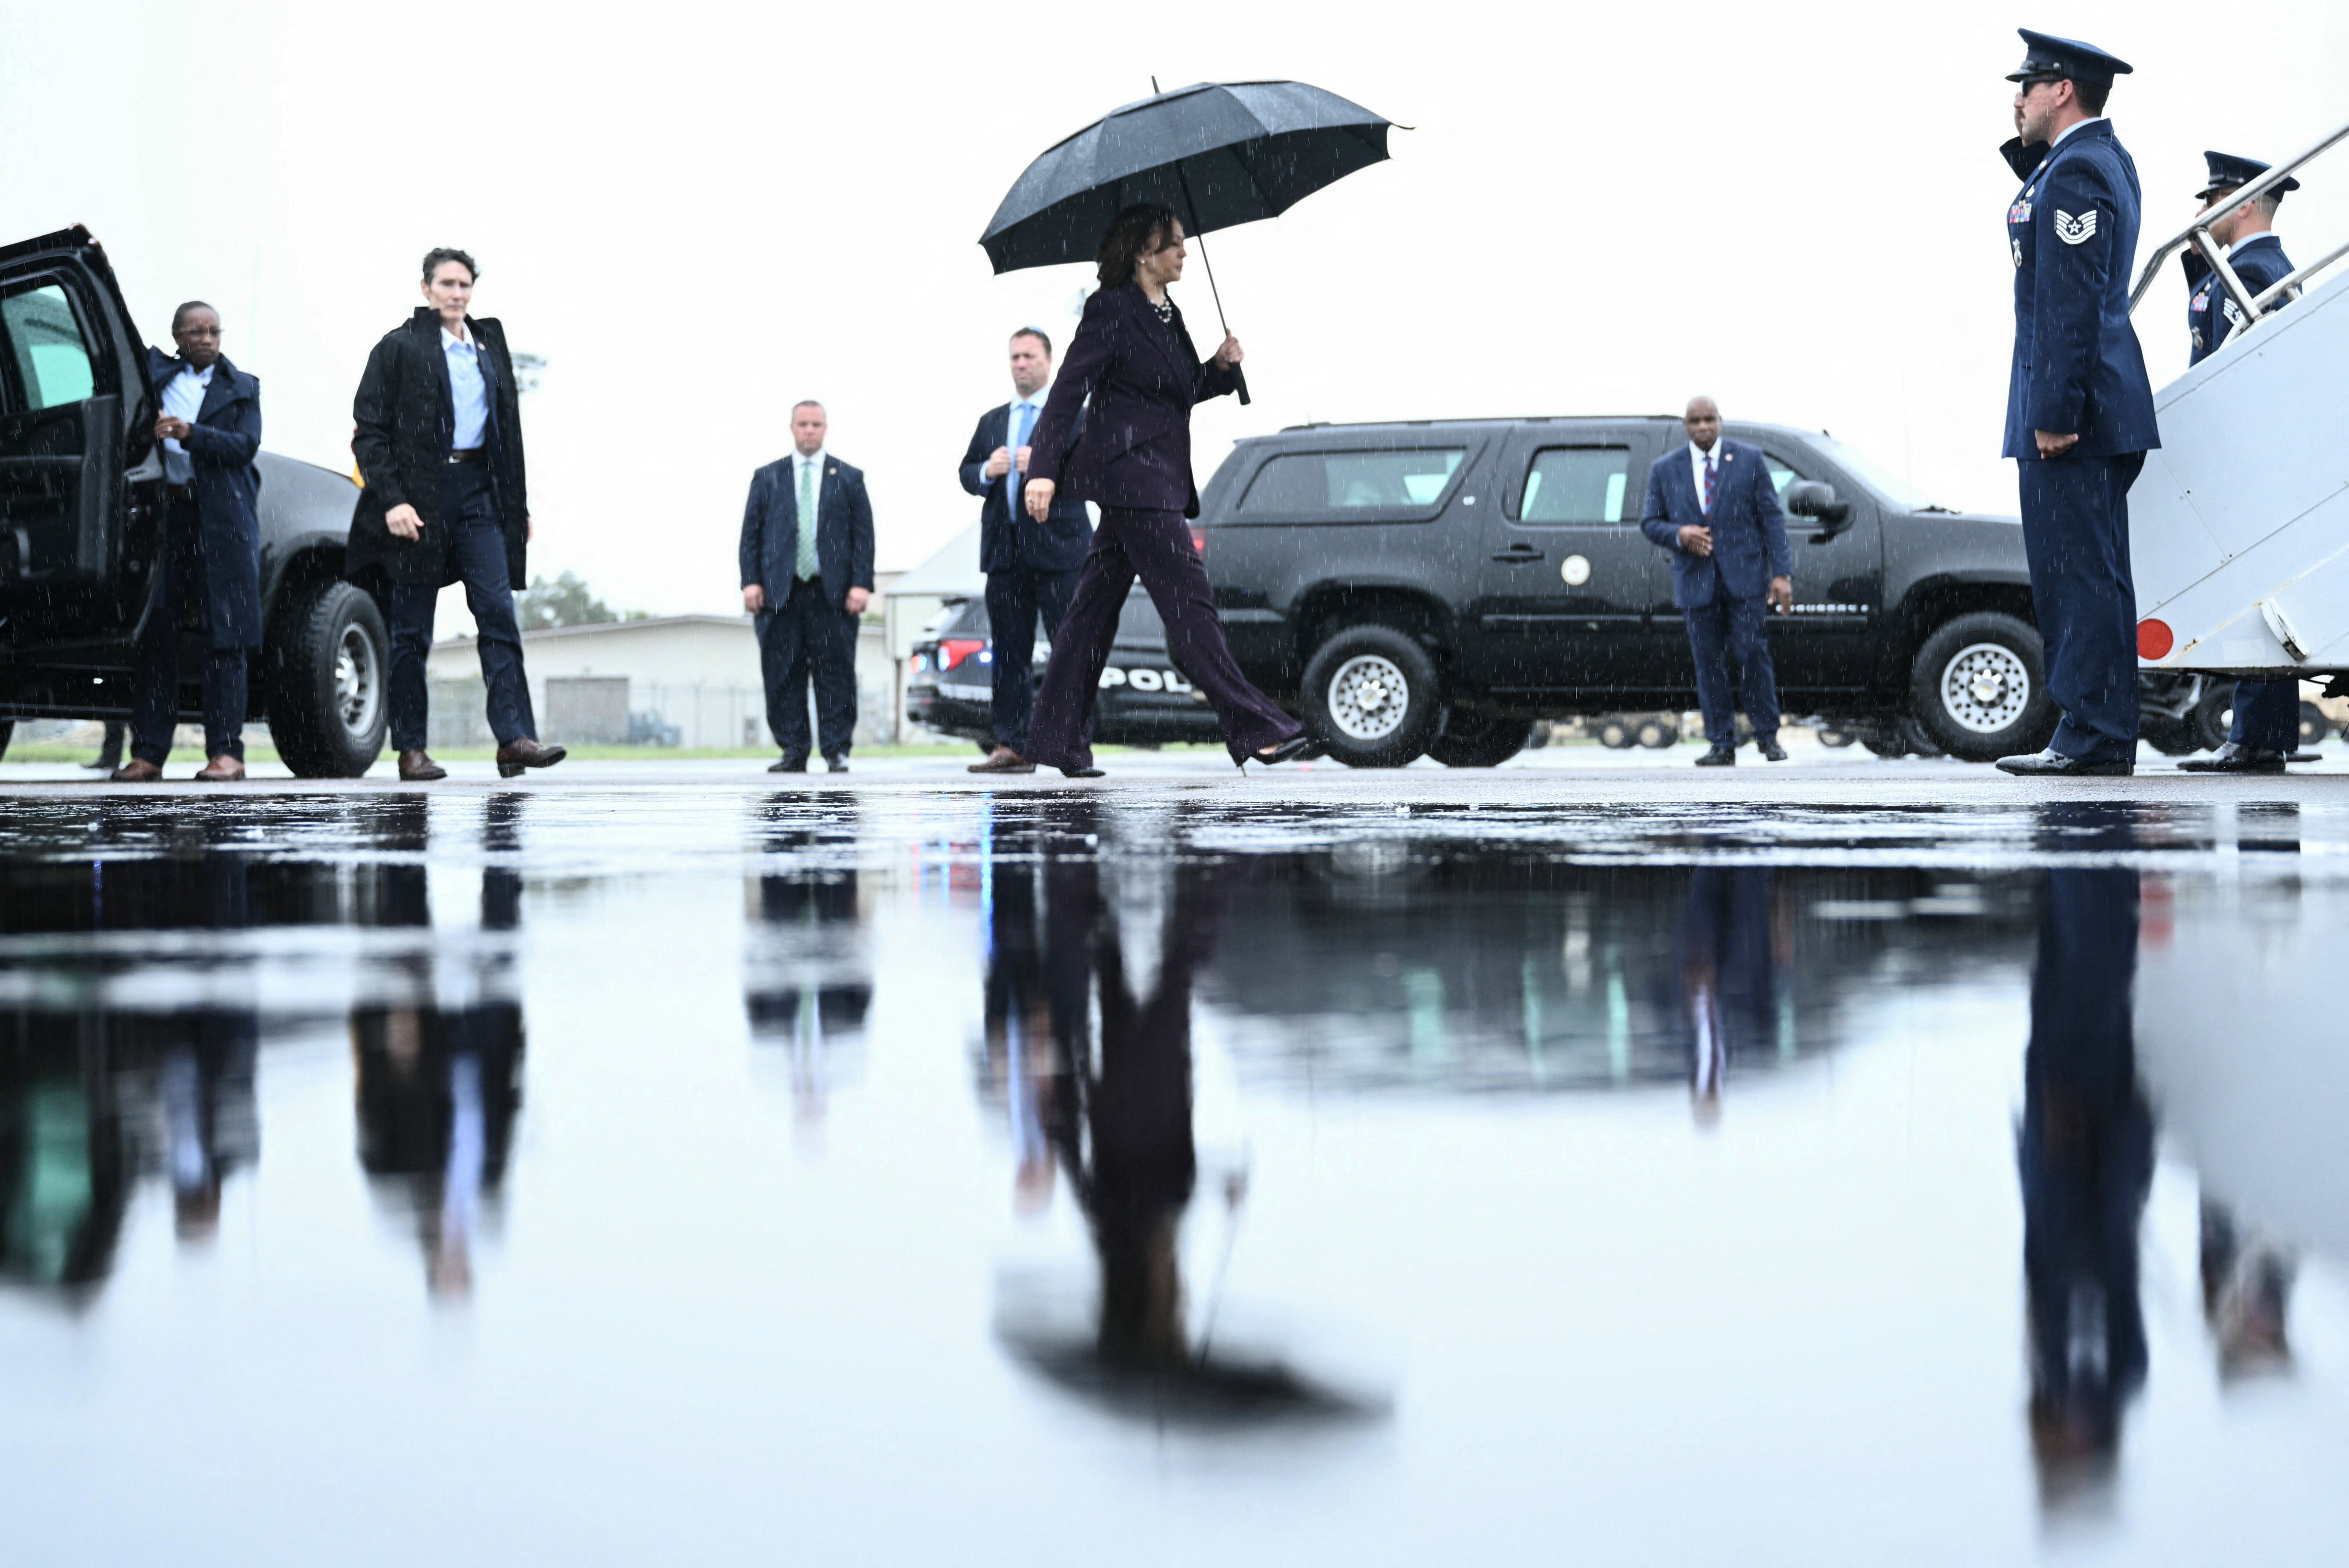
(2213, 717)
(1477, 741)
(328, 667)
(1370, 695)
(1979, 687)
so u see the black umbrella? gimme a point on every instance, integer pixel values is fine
(1219, 153)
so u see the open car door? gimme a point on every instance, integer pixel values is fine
(79, 513)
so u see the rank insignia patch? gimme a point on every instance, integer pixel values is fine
(2074, 230)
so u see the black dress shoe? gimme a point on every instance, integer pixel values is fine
(1082, 774)
(2054, 764)
(788, 765)
(838, 765)
(2305, 757)
(1298, 747)
(2231, 758)
(1771, 750)
(1719, 757)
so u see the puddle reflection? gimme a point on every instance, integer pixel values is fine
(1622, 1136)
(120, 1061)
(807, 967)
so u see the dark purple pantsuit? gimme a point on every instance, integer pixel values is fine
(1133, 458)
(1156, 547)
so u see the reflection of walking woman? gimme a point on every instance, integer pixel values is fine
(1132, 357)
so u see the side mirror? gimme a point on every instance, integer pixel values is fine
(1811, 498)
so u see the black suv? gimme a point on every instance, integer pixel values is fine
(1144, 700)
(1439, 585)
(81, 521)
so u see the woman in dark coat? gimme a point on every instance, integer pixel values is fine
(1134, 359)
(209, 431)
(445, 503)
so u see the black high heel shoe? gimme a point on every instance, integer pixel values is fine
(1300, 747)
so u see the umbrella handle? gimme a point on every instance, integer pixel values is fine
(1239, 384)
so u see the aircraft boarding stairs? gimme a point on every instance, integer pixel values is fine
(2239, 526)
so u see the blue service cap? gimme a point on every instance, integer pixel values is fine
(2227, 171)
(2049, 58)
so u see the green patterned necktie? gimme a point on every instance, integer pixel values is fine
(806, 570)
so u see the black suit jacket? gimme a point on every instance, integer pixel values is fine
(404, 420)
(844, 531)
(1141, 375)
(1005, 541)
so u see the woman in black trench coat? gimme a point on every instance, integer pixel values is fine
(1132, 357)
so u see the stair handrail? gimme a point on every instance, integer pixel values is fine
(2198, 235)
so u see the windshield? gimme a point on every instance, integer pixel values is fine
(1899, 493)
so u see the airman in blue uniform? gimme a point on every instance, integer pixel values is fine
(2079, 407)
(2267, 713)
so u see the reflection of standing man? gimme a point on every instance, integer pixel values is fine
(2266, 729)
(1712, 506)
(1031, 567)
(2079, 409)
(2085, 1153)
(1732, 947)
(807, 575)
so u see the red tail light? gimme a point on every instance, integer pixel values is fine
(2154, 638)
(1199, 542)
(955, 650)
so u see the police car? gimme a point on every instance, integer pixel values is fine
(1144, 700)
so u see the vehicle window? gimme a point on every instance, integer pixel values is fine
(1577, 484)
(1782, 474)
(1343, 481)
(1904, 496)
(46, 341)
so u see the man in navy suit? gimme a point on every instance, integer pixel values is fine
(2079, 408)
(2267, 713)
(808, 588)
(208, 430)
(1711, 505)
(1031, 567)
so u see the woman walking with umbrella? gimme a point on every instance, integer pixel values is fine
(1132, 357)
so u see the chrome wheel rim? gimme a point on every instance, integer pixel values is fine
(358, 684)
(1368, 696)
(1985, 688)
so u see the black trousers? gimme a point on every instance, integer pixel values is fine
(1731, 640)
(155, 682)
(1016, 597)
(2267, 715)
(808, 638)
(2076, 535)
(468, 510)
(1156, 547)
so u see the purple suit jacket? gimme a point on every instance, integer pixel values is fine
(1141, 375)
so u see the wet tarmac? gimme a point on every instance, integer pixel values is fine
(1850, 1164)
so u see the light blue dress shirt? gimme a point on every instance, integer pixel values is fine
(467, 389)
(1027, 410)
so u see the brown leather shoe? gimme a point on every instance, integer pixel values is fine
(1003, 760)
(138, 770)
(516, 755)
(226, 768)
(418, 767)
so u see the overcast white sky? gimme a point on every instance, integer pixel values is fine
(699, 214)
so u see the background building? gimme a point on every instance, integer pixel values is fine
(666, 681)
